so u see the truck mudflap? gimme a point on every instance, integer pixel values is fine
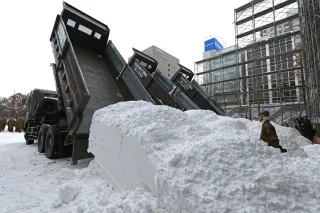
(80, 149)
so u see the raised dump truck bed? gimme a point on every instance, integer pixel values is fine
(183, 80)
(88, 71)
(128, 83)
(90, 74)
(160, 87)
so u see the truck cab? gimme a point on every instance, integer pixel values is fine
(42, 109)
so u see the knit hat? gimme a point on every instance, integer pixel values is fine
(265, 113)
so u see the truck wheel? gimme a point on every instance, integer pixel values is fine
(51, 144)
(42, 138)
(28, 142)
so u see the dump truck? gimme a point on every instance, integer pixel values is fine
(183, 80)
(186, 92)
(41, 109)
(159, 86)
(89, 74)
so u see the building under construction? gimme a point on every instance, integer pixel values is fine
(310, 21)
(267, 70)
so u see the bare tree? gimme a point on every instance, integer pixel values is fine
(13, 106)
(3, 107)
(21, 107)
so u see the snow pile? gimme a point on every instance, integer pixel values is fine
(290, 138)
(27, 178)
(204, 163)
(84, 191)
(313, 152)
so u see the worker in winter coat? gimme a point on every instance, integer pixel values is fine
(19, 125)
(3, 123)
(307, 129)
(268, 132)
(11, 124)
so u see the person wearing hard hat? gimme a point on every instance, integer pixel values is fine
(268, 132)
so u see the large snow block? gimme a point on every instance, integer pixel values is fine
(120, 159)
(198, 161)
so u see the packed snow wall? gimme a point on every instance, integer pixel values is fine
(120, 158)
(197, 161)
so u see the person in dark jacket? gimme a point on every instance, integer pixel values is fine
(307, 129)
(3, 124)
(11, 123)
(268, 132)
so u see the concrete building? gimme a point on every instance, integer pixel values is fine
(286, 63)
(282, 28)
(264, 68)
(167, 64)
(310, 23)
(214, 71)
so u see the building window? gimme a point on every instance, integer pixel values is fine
(168, 70)
(168, 65)
(169, 75)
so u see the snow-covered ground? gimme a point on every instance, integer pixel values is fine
(204, 163)
(31, 183)
(27, 178)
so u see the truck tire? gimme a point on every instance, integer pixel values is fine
(42, 138)
(28, 142)
(51, 143)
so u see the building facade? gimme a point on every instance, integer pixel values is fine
(309, 11)
(214, 73)
(275, 70)
(264, 69)
(167, 64)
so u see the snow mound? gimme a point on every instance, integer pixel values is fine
(313, 151)
(68, 192)
(84, 191)
(203, 163)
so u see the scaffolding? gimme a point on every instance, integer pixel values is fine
(267, 71)
(309, 11)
